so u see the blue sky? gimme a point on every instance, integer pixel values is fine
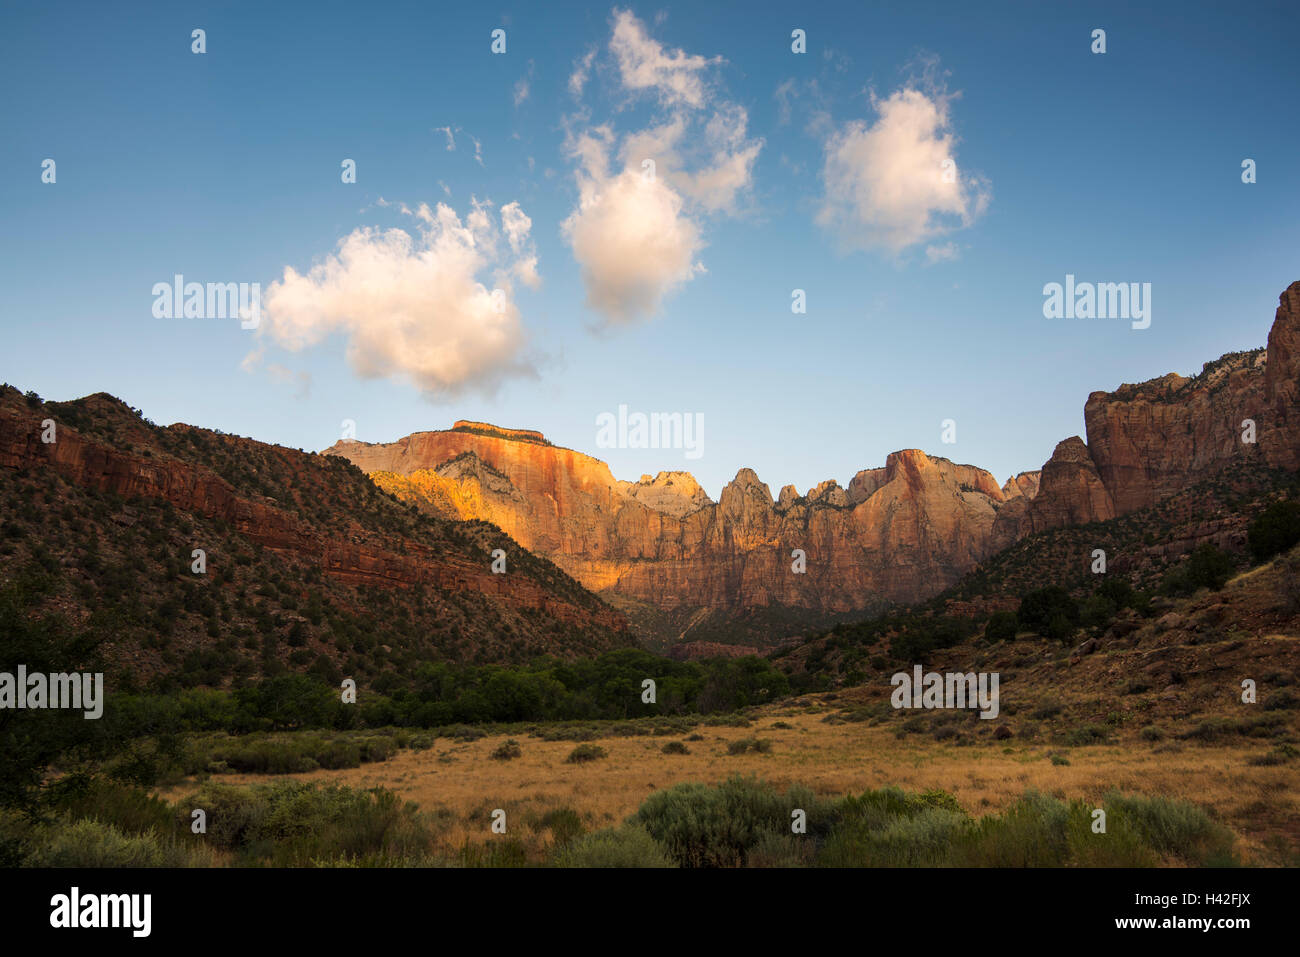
(776, 171)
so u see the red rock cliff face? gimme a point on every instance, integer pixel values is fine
(1281, 428)
(901, 532)
(1148, 441)
(1151, 440)
(1070, 490)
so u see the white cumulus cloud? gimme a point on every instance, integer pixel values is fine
(895, 183)
(632, 241)
(432, 306)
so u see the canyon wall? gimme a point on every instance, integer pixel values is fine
(898, 533)
(902, 533)
(1150, 440)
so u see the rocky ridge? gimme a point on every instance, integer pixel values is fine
(899, 533)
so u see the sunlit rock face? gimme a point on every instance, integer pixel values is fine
(902, 532)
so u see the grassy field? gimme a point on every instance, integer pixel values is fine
(830, 748)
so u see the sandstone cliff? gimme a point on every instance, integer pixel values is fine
(1148, 441)
(896, 533)
(902, 533)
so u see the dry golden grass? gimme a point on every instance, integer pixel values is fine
(461, 784)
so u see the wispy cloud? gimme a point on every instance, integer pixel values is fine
(451, 131)
(943, 253)
(675, 76)
(524, 87)
(581, 70)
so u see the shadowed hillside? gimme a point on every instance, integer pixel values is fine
(308, 564)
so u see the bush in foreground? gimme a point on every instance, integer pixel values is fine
(88, 843)
(626, 846)
(743, 822)
(295, 823)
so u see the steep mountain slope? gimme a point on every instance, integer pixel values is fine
(1140, 546)
(307, 563)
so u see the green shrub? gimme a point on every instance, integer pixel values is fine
(296, 823)
(507, 750)
(1119, 593)
(131, 810)
(1049, 611)
(746, 823)
(568, 733)
(626, 846)
(564, 823)
(1269, 760)
(1030, 833)
(1118, 846)
(1279, 755)
(1274, 530)
(744, 745)
(727, 721)
(1177, 828)
(1001, 626)
(702, 826)
(510, 852)
(1049, 708)
(1086, 734)
(1206, 567)
(1097, 612)
(1060, 628)
(88, 843)
(1279, 700)
(675, 747)
(917, 837)
(919, 636)
(584, 753)
(782, 850)
(462, 732)
(376, 748)
(285, 753)
(1257, 726)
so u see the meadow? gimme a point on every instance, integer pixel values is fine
(875, 787)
